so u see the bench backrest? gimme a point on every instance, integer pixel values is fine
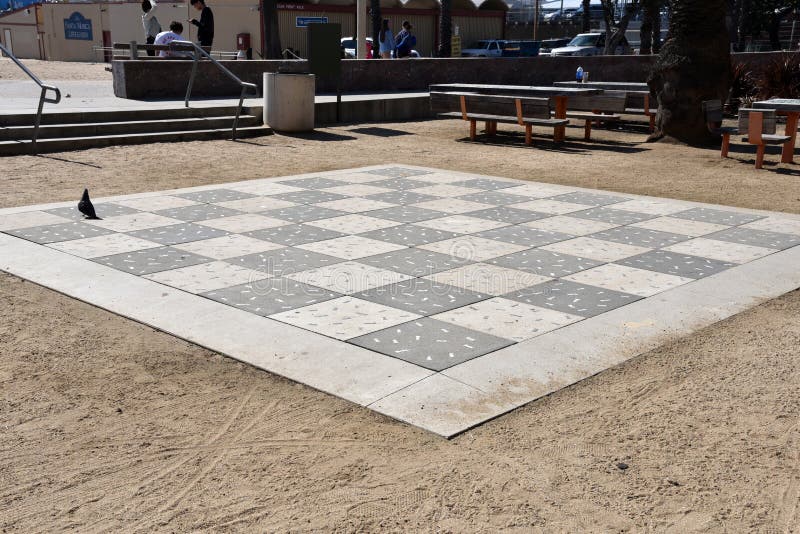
(609, 103)
(638, 100)
(712, 109)
(530, 107)
(768, 123)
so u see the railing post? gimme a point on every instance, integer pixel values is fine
(134, 52)
(195, 57)
(38, 120)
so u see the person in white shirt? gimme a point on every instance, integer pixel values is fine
(150, 23)
(165, 38)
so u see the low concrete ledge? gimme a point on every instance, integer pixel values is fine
(150, 79)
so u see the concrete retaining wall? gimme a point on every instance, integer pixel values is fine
(168, 79)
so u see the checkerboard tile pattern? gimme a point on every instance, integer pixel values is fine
(428, 267)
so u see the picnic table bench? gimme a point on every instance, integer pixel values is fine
(637, 95)
(494, 109)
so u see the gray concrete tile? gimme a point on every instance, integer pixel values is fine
(271, 295)
(662, 261)
(283, 261)
(414, 261)
(400, 183)
(151, 260)
(422, 296)
(198, 212)
(398, 172)
(545, 263)
(405, 214)
(430, 343)
(294, 234)
(215, 195)
(640, 237)
(571, 297)
(316, 182)
(508, 215)
(303, 213)
(401, 197)
(496, 198)
(612, 216)
(103, 210)
(757, 238)
(54, 233)
(524, 235)
(485, 183)
(310, 196)
(588, 199)
(715, 216)
(409, 235)
(178, 233)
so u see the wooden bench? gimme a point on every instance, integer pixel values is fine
(493, 109)
(712, 111)
(133, 51)
(638, 103)
(596, 109)
(760, 127)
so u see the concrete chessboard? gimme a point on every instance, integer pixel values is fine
(439, 298)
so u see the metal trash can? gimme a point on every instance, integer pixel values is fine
(289, 101)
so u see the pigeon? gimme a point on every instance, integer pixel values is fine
(86, 207)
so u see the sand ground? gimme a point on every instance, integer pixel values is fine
(110, 425)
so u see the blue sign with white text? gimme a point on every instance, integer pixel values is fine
(303, 22)
(78, 27)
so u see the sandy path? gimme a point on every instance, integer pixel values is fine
(54, 70)
(107, 424)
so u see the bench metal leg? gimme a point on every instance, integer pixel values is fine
(726, 143)
(760, 156)
(528, 134)
(587, 130)
(473, 127)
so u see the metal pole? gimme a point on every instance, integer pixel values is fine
(191, 79)
(361, 29)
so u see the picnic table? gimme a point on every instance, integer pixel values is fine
(791, 108)
(608, 86)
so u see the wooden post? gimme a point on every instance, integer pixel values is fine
(560, 113)
(787, 155)
(726, 143)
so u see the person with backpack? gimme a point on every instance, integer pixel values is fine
(405, 41)
(150, 23)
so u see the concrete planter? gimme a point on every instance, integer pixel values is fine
(289, 101)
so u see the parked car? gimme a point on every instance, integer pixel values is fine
(590, 44)
(554, 17)
(595, 13)
(487, 48)
(520, 48)
(349, 46)
(549, 44)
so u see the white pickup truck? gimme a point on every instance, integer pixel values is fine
(487, 48)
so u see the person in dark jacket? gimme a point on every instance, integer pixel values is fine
(205, 26)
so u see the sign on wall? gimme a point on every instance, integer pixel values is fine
(303, 22)
(78, 27)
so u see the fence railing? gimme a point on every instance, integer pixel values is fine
(196, 53)
(42, 96)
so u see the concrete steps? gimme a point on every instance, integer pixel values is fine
(78, 130)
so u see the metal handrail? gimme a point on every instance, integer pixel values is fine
(42, 96)
(197, 52)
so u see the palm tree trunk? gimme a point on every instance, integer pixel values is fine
(694, 65)
(445, 28)
(375, 13)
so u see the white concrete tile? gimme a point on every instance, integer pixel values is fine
(628, 279)
(652, 207)
(351, 247)
(353, 224)
(228, 246)
(570, 225)
(462, 224)
(358, 177)
(348, 277)
(243, 223)
(444, 190)
(538, 190)
(452, 205)
(507, 319)
(265, 187)
(442, 177)
(470, 247)
(156, 203)
(207, 276)
(355, 205)
(134, 221)
(720, 250)
(595, 249)
(488, 279)
(257, 204)
(345, 317)
(358, 190)
(681, 226)
(773, 223)
(29, 219)
(103, 245)
(549, 206)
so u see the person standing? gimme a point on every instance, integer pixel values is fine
(386, 40)
(150, 23)
(205, 26)
(404, 41)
